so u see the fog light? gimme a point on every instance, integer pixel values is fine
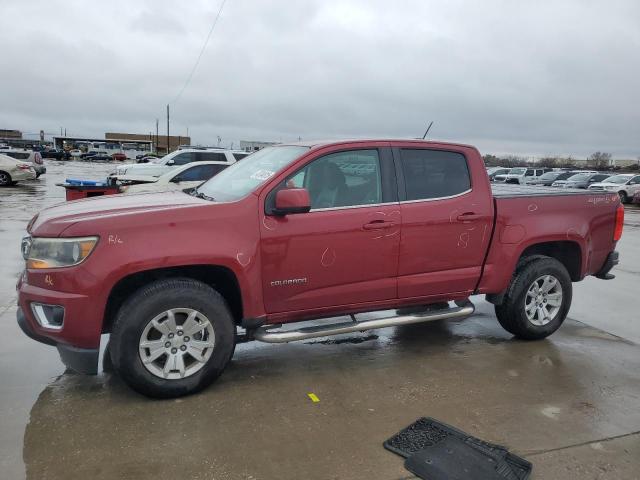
(48, 316)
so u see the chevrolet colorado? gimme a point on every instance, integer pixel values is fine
(300, 232)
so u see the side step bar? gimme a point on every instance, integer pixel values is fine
(271, 334)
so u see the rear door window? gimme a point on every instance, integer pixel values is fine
(184, 158)
(199, 173)
(430, 174)
(211, 157)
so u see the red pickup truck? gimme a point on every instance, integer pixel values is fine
(300, 232)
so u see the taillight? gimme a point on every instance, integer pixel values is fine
(37, 158)
(24, 166)
(617, 231)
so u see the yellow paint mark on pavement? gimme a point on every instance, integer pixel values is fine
(314, 398)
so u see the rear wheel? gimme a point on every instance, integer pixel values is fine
(5, 179)
(537, 300)
(172, 338)
(624, 198)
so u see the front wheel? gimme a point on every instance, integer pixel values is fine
(172, 338)
(537, 300)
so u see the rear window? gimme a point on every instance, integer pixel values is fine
(432, 174)
(18, 155)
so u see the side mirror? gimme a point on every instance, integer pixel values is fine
(292, 200)
(176, 179)
(170, 162)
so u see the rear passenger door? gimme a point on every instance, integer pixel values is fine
(446, 222)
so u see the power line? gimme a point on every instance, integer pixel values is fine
(206, 42)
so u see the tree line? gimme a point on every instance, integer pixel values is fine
(595, 161)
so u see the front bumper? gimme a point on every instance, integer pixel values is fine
(80, 360)
(612, 260)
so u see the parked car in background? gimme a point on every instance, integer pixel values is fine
(625, 184)
(178, 158)
(13, 171)
(493, 171)
(28, 156)
(636, 198)
(53, 153)
(581, 180)
(185, 177)
(75, 153)
(521, 175)
(548, 178)
(147, 159)
(100, 157)
(121, 157)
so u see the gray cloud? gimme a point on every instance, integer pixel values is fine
(511, 77)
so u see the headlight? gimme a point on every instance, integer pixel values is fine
(40, 252)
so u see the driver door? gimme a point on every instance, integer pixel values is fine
(345, 250)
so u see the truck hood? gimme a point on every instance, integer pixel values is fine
(53, 221)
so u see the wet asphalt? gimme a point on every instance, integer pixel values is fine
(569, 404)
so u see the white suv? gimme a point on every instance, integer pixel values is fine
(626, 185)
(522, 175)
(178, 158)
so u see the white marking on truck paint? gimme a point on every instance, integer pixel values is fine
(532, 207)
(48, 280)
(328, 257)
(269, 223)
(463, 240)
(114, 240)
(243, 259)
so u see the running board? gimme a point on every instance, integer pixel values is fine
(269, 334)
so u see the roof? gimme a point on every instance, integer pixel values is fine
(324, 143)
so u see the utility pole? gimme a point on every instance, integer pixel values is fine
(168, 146)
(156, 149)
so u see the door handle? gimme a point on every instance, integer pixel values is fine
(468, 216)
(378, 224)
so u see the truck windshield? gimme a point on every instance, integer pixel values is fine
(242, 177)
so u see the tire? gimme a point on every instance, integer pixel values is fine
(5, 179)
(624, 198)
(519, 315)
(212, 328)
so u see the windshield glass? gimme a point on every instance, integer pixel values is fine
(580, 177)
(242, 177)
(517, 171)
(617, 179)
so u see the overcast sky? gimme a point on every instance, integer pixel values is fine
(523, 77)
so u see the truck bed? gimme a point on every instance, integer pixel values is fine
(512, 190)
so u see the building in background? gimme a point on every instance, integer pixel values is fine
(254, 146)
(10, 134)
(159, 143)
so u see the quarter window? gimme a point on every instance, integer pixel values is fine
(342, 179)
(434, 173)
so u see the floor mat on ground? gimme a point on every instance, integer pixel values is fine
(439, 447)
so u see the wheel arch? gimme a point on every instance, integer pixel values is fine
(221, 278)
(567, 252)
